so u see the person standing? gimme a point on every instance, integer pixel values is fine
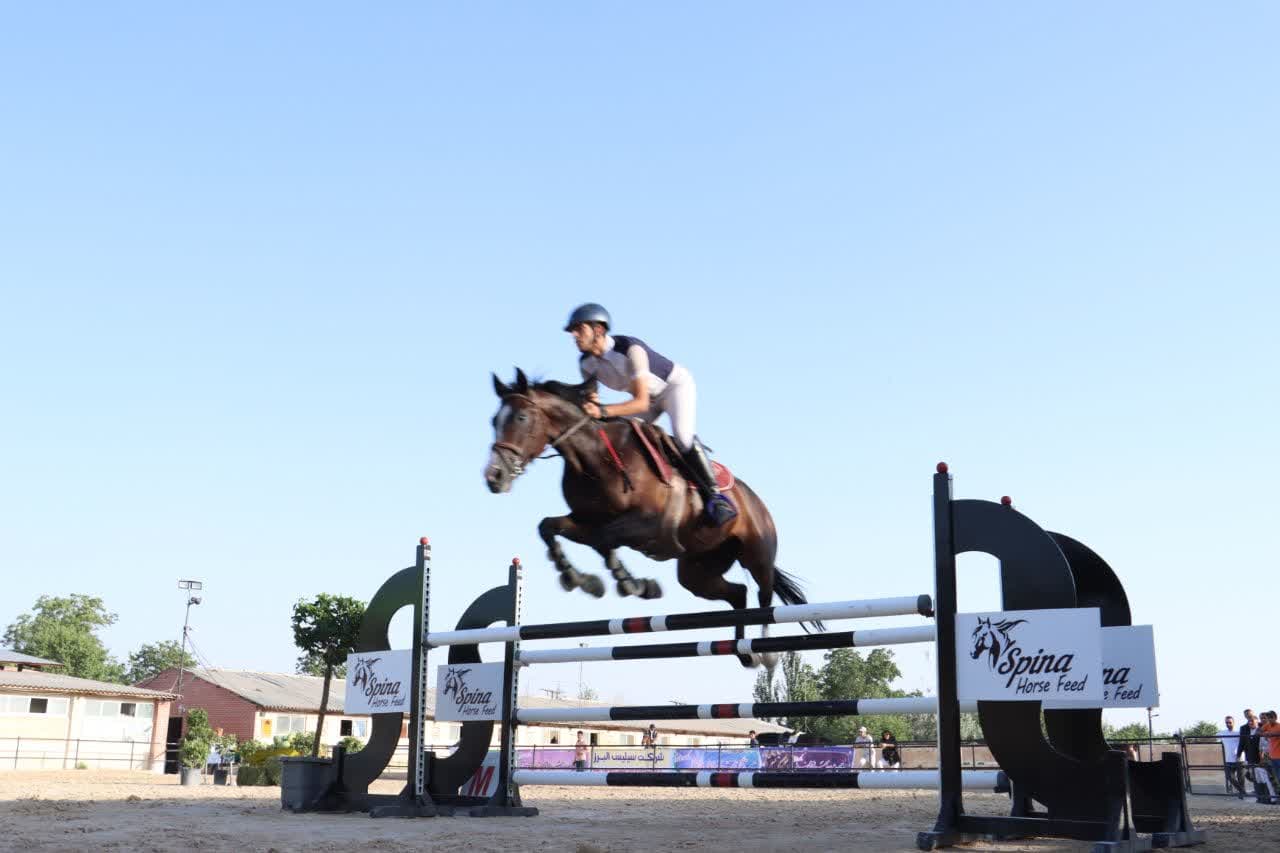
(580, 752)
(1249, 748)
(1269, 733)
(1230, 739)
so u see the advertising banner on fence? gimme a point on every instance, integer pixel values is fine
(1128, 670)
(469, 692)
(1030, 654)
(378, 682)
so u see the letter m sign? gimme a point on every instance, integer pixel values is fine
(480, 784)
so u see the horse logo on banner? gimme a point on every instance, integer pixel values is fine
(993, 639)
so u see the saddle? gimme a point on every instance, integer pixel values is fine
(665, 458)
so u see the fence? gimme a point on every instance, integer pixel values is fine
(30, 753)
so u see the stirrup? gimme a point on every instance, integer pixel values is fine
(719, 510)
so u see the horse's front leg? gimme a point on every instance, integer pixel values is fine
(570, 578)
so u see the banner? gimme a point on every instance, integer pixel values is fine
(469, 692)
(1016, 655)
(378, 682)
(1128, 670)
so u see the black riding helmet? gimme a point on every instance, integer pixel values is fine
(591, 312)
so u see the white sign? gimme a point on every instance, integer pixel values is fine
(1017, 655)
(469, 691)
(379, 682)
(1128, 670)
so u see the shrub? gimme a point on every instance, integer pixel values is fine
(249, 775)
(80, 765)
(271, 771)
(353, 744)
(194, 751)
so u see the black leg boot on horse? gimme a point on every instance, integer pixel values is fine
(717, 508)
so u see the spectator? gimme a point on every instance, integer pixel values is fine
(1230, 739)
(650, 737)
(889, 751)
(755, 741)
(1270, 733)
(1252, 757)
(1134, 754)
(863, 751)
(214, 759)
(580, 753)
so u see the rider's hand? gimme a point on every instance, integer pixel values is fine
(591, 408)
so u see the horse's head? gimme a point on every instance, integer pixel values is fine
(530, 417)
(983, 638)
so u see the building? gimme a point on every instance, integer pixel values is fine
(53, 721)
(264, 705)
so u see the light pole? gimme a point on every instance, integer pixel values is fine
(580, 696)
(189, 586)
(1151, 750)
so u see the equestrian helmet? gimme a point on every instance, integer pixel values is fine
(591, 312)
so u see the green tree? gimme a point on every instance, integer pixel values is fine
(326, 630)
(1203, 728)
(64, 629)
(847, 673)
(154, 658)
(1132, 731)
(313, 665)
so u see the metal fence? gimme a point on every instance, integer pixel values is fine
(30, 753)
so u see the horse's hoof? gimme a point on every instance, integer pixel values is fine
(593, 586)
(749, 661)
(630, 586)
(651, 589)
(568, 582)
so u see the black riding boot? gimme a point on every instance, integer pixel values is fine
(717, 507)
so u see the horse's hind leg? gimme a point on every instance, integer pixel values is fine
(570, 577)
(703, 575)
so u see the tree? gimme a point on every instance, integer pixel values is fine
(194, 751)
(154, 658)
(1203, 728)
(312, 665)
(326, 630)
(64, 629)
(848, 673)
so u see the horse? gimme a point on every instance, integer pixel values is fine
(617, 499)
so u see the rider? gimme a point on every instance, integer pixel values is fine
(656, 385)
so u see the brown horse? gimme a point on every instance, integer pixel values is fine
(617, 499)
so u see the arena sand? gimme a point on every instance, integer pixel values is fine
(92, 810)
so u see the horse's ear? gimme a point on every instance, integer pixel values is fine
(522, 382)
(588, 385)
(498, 388)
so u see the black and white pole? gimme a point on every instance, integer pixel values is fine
(907, 605)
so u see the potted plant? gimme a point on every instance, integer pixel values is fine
(194, 751)
(226, 745)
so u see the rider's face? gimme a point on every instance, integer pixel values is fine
(586, 336)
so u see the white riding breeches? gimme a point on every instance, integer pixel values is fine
(680, 402)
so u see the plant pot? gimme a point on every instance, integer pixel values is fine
(303, 780)
(191, 776)
(220, 776)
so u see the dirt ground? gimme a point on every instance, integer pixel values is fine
(121, 810)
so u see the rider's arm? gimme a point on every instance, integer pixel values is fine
(639, 402)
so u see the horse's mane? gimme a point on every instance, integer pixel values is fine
(574, 394)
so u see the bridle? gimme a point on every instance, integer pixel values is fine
(516, 464)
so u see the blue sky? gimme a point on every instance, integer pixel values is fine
(257, 264)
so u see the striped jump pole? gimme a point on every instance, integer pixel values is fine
(907, 605)
(732, 711)
(808, 642)
(974, 780)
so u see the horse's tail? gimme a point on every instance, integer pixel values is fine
(787, 588)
